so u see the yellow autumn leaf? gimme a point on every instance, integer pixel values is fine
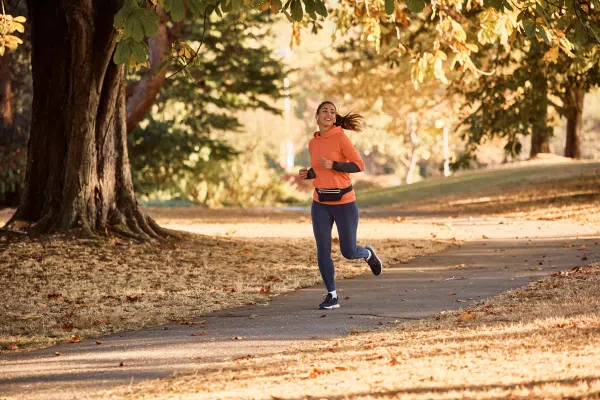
(552, 55)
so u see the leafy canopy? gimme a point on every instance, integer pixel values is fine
(560, 24)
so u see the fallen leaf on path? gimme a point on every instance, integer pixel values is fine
(57, 354)
(466, 317)
(395, 361)
(13, 347)
(484, 237)
(239, 338)
(252, 316)
(99, 342)
(203, 322)
(347, 298)
(121, 364)
(315, 372)
(74, 339)
(452, 294)
(199, 333)
(324, 315)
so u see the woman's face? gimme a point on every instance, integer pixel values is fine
(326, 115)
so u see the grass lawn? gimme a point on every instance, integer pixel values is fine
(545, 191)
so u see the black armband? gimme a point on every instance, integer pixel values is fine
(348, 167)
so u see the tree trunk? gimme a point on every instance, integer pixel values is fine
(541, 132)
(78, 172)
(142, 94)
(574, 100)
(6, 111)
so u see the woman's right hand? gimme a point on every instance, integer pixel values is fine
(303, 173)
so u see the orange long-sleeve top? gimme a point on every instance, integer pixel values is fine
(336, 146)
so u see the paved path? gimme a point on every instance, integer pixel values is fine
(511, 255)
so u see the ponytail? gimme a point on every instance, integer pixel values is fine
(350, 121)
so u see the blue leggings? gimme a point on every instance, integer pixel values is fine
(345, 217)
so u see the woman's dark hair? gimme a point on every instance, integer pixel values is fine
(350, 121)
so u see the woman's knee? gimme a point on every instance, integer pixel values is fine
(348, 252)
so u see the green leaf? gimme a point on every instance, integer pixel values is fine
(134, 28)
(177, 9)
(390, 5)
(122, 52)
(415, 6)
(149, 19)
(139, 51)
(226, 6)
(581, 36)
(529, 28)
(321, 9)
(296, 8)
(122, 14)
(310, 7)
(197, 7)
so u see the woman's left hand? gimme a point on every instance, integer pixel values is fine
(325, 163)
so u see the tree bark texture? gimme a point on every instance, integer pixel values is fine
(78, 172)
(574, 102)
(6, 111)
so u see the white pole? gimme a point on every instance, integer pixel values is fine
(446, 152)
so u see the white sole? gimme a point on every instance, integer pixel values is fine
(330, 307)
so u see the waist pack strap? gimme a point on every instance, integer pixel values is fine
(341, 191)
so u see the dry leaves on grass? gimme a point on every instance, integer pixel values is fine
(544, 349)
(64, 287)
(572, 198)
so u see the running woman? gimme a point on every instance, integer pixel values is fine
(332, 158)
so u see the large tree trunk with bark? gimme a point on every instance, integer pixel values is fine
(6, 109)
(574, 102)
(78, 174)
